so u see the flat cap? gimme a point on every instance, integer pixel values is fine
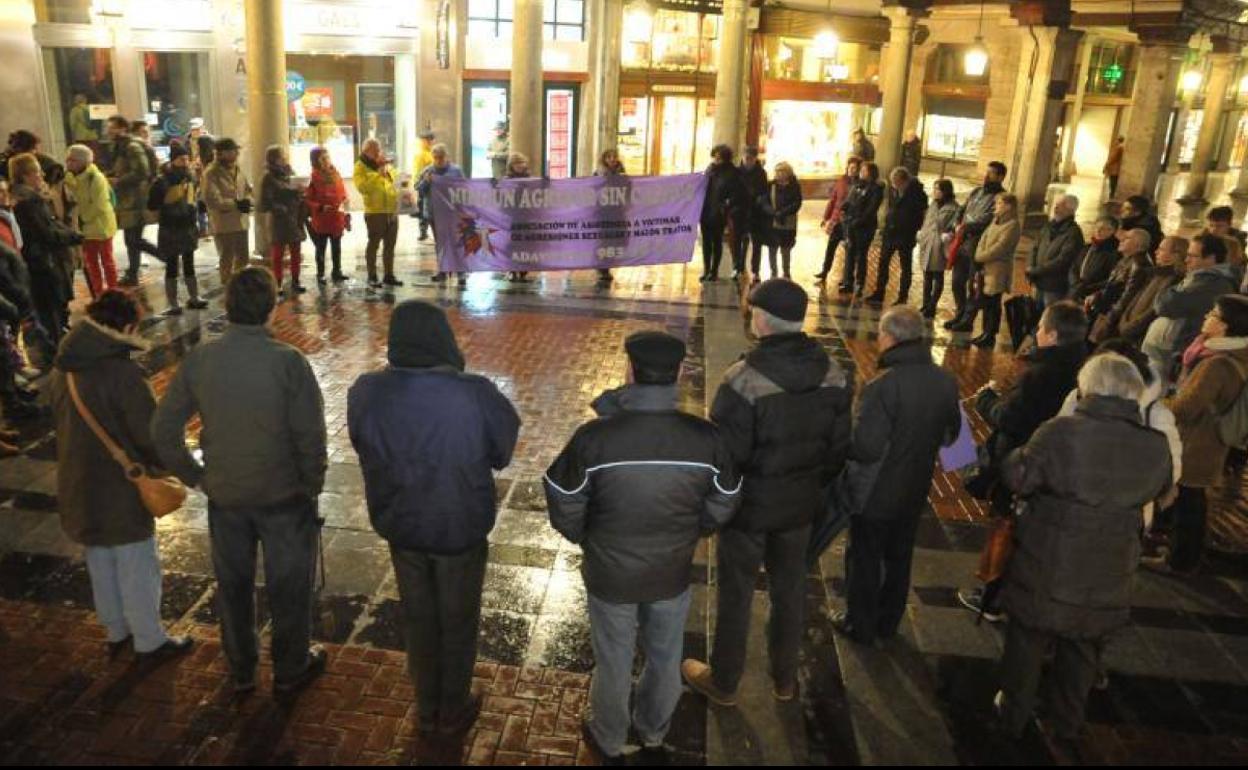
(655, 353)
(781, 297)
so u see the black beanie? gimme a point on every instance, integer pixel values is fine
(420, 336)
(1234, 311)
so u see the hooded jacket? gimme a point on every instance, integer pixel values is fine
(636, 489)
(282, 200)
(324, 197)
(96, 218)
(1181, 309)
(905, 213)
(902, 417)
(429, 438)
(99, 506)
(173, 198)
(132, 175)
(1085, 480)
(1057, 248)
(784, 411)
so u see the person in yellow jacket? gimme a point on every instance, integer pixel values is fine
(96, 217)
(424, 159)
(374, 180)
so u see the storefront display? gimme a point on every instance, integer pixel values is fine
(803, 59)
(487, 107)
(671, 41)
(339, 141)
(633, 143)
(80, 89)
(952, 138)
(560, 134)
(174, 91)
(815, 138)
(1190, 135)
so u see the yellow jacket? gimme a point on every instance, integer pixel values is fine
(95, 203)
(424, 159)
(376, 186)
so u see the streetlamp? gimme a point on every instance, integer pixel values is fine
(975, 61)
(825, 44)
(1192, 80)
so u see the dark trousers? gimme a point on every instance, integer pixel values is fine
(1188, 517)
(905, 255)
(320, 242)
(740, 244)
(288, 533)
(783, 554)
(933, 287)
(991, 305)
(441, 597)
(47, 296)
(712, 246)
(961, 281)
(858, 246)
(834, 242)
(759, 238)
(136, 247)
(877, 574)
(1070, 679)
(1113, 185)
(185, 261)
(383, 231)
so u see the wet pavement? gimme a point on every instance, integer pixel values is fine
(1179, 676)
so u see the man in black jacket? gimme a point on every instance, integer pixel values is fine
(907, 205)
(429, 437)
(902, 417)
(636, 488)
(1059, 244)
(1091, 269)
(976, 215)
(750, 222)
(784, 411)
(1015, 414)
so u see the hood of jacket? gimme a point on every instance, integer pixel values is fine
(89, 342)
(1223, 272)
(421, 337)
(795, 362)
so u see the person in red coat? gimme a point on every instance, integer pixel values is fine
(831, 223)
(326, 197)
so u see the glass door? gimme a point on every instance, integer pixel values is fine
(676, 134)
(486, 107)
(633, 139)
(559, 131)
(175, 91)
(80, 96)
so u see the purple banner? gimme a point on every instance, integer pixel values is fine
(538, 224)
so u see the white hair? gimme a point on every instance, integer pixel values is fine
(438, 149)
(371, 142)
(81, 153)
(777, 325)
(1146, 240)
(903, 323)
(1110, 374)
(1071, 201)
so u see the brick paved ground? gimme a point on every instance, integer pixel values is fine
(1179, 684)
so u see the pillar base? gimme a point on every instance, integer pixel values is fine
(1192, 210)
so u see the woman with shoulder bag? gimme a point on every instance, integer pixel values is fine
(98, 393)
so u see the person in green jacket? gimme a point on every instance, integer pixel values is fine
(131, 176)
(96, 218)
(80, 128)
(374, 179)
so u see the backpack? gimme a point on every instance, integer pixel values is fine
(1233, 423)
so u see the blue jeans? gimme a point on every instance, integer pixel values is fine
(125, 582)
(613, 633)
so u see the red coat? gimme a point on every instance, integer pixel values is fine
(6, 236)
(325, 195)
(840, 192)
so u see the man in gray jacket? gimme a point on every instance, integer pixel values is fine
(1181, 308)
(264, 466)
(1057, 247)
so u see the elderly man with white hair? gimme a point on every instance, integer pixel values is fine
(1126, 281)
(902, 417)
(375, 180)
(1058, 246)
(1085, 479)
(96, 217)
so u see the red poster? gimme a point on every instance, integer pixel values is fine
(558, 134)
(318, 103)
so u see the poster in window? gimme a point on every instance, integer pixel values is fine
(375, 110)
(559, 134)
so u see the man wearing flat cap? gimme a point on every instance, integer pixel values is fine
(784, 410)
(636, 488)
(429, 437)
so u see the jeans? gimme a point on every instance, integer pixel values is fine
(855, 272)
(288, 532)
(383, 231)
(320, 242)
(97, 258)
(1071, 677)
(136, 247)
(125, 583)
(783, 554)
(232, 254)
(613, 632)
(712, 246)
(441, 598)
(877, 574)
(962, 269)
(905, 255)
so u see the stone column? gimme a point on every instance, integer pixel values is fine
(1222, 64)
(1156, 82)
(730, 80)
(1033, 147)
(606, 126)
(895, 69)
(1227, 147)
(526, 103)
(1076, 112)
(267, 116)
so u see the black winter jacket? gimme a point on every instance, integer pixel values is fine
(725, 193)
(756, 186)
(636, 488)
(902, 417)
(784, 411)
(906, 210)
(1037, 396)
(860, 214)
(173, 197)
(1150, 224)
(1090, 272)
(44, 237)
(15, 301)
(1085, 480)
(1056, 250)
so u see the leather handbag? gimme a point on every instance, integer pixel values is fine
(997, 550)
(161, 495)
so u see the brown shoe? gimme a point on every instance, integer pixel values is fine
(698, 675)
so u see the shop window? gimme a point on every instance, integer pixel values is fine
(339, 101)
(633, 141)
(80, 91)
(492, 19)
(1111, 69)
(174, 83)
(72, 11)
(1190, 135)
(815, 138)
(952, 137)
(799, 58)
(949, 67)
(673, 41)
(1239, 150)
